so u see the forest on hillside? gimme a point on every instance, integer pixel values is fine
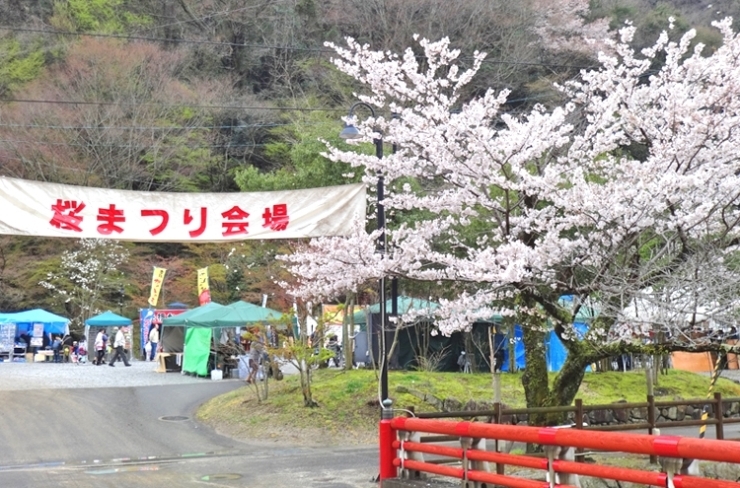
(227, 95)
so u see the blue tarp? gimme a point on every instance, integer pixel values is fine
(554, 349)
(108, 319)
(53, 324)
(556, 352)
(503, 342)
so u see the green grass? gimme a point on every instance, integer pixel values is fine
(348, 401)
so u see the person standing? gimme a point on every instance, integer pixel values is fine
(118, 344)
(255, 357)
(463, 363)
(153, 341)
(101, 341)
(56, 346)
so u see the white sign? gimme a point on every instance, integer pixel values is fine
(38, 330)
(54, 210)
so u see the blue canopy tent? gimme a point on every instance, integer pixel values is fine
(108, 319)
(24, 321)
(104, 320)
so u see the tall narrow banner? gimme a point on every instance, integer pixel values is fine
(146, 319)
(157, 282)
(204, 289)
(49, 209)
(150, 316)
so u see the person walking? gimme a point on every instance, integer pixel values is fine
(118, 343)
(153, 341)
(101, 341)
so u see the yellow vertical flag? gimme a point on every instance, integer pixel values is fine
(204, 289)
(157, 282)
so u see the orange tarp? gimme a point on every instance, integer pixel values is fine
(696, 362)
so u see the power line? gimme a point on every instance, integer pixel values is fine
(169, 105)
(163, 39)
(148, 180)
(128, 146)
(239, 107)
(152, 128)
(205, 17)
(268, 46)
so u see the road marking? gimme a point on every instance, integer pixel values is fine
(221, 477)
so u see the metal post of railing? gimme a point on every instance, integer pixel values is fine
(651, 422)
(719, 414)
(497, 407)
(579, 425)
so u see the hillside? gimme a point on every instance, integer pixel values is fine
(229, 95)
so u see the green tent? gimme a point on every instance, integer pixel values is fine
(236, 314)
(404, 305)
(183, 319)
(197, 351)
(201, 323)
(196, 339)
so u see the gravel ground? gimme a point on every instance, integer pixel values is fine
(34, 376)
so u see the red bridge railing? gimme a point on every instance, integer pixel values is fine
(401, 453)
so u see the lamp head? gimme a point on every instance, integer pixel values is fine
(350, 132)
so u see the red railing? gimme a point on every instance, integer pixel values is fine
(672, 450)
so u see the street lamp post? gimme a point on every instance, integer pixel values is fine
(351, 132)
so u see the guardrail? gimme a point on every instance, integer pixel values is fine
(401, 454)
(500, 414)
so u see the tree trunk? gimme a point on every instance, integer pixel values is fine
(304, 366)
(348, 329)
(537, 390)
(308, 400)
(512, 347)
(534, 379)
(568, 381)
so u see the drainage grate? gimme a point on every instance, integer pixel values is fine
(174, 418)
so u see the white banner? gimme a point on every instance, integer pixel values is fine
(54, 210)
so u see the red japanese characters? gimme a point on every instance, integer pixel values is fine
(67, 215)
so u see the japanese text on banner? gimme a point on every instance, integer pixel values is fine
(55, 210)
(204, 289)
(157, 282)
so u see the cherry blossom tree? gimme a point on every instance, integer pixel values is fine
(625, 193)
(87, 276)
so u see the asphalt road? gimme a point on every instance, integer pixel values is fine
(140, 436)
(731, 431)
(145, 437)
